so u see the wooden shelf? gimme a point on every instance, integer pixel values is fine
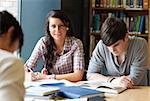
(132, 11)
(119, 9)
(140, 35)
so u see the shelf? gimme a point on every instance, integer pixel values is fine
(119, 9)
(135, 11)
(140, 35)
(108, 9)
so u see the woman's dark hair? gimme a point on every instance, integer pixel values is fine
(112, 30)
(7, 21)
(50, 44)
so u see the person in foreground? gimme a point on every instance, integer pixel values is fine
(11, 67)
(123, 57)
(61, 51)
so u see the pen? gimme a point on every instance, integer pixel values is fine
(29, 70)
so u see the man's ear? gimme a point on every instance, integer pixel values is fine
(11, 29)
(126, 37)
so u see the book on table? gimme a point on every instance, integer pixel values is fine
(41, 91)
(79, 92)
(48, 83)
(102, 86)
(43, 87)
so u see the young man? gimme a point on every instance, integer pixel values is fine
(124, 57)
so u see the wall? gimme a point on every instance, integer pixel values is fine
(33, 13)
(77, 10)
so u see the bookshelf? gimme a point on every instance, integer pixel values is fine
(133, 12)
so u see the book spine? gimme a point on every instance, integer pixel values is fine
(140, 3)
(138, 23)
(97, 3)
(93, 3)
(145, 4)
(131, 3)
(141, 28)
(146, 24)
(96, 23)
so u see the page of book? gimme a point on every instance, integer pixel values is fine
(102, 86)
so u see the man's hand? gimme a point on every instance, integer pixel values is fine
(124, 81)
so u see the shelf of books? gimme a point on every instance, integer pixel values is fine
(135, 13)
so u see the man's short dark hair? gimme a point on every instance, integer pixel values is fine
(112, 30)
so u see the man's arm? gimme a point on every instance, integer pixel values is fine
(96, 64)
(97, 76)
(123, 81)
(138, 68)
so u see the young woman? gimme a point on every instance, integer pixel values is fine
(60, 49)
(11, 67)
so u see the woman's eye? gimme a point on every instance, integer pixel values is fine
(53, 26)
(61, 26)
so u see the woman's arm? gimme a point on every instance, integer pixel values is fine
(77, 75)
(36, 55)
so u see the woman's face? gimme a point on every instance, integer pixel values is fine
(57, 29)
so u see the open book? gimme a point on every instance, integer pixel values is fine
(102, 86)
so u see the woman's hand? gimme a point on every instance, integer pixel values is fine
(44, 71)
(32, 76)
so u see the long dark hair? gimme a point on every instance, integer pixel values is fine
(50, 56)
(6, 21)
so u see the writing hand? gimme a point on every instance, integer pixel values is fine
(44, 71)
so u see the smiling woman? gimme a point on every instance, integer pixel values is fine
(61, 51)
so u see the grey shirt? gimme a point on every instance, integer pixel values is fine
(134, 65)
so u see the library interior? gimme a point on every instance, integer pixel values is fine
(64, 74)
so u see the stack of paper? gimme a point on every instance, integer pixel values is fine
(41, 91)
(45, 87)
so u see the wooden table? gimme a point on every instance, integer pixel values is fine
(138, 93)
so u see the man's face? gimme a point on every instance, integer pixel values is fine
(119, 47)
